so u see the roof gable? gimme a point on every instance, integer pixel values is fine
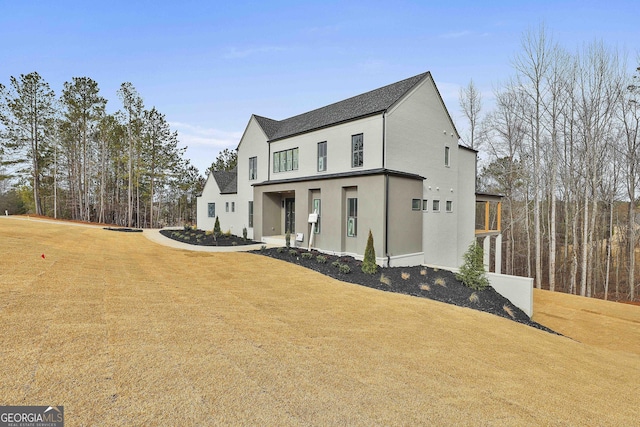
(366, 104)
(227, 181)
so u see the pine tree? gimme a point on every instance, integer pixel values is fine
(27, 113)
(369, 265)
(216, 228)
(472, 272)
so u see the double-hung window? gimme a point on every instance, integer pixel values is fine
(285, 160)
(322, 156)
(357, 150)
(253, 168)
(352, 217)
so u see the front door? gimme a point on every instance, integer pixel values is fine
(289, 215)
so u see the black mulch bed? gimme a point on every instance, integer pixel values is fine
(124, 229)
(201, 238)
(424, 282)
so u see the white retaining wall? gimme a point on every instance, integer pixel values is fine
(517, 289)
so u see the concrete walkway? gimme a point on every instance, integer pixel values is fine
(152, 234)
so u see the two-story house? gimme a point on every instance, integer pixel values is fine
(387, 161)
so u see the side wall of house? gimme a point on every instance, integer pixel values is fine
(210, 194)
(252, 144)
(418, 133)
(405, 224)
(466, 201)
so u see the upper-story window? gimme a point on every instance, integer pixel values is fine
(447, 158)
(253, 168)
(285, 160)
(357, 150)
(211, 210)
(322, 156)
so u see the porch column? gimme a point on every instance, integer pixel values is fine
(486, 249)
(499, 254)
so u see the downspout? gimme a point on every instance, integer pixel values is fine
(269, 160)
(386, 191)
(386, 219)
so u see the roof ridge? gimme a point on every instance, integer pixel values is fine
(362, 105)
(369, 92)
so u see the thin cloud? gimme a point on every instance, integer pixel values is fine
(234, 52)
(192, 136)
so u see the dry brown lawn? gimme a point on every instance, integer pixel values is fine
(123, 331)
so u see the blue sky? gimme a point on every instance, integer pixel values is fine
(209, 65)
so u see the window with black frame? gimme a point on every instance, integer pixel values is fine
(357, 150)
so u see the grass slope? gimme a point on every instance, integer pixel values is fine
(122, 331)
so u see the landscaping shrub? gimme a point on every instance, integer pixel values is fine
(440, 282)
(385, 280)
(306, 255)
(336, 264)
(244, 233)
(344, 268)
(321, 259)
(287, 238)
(405, 275)
(472, 272)
(509, 311)
(293, 252)
(280, 250)
(474, 298)
(369, 265)
(263, 247)
(216, 229)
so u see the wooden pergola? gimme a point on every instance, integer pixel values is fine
(488, 227)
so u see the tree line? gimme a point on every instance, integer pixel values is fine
(66, 157)
(564, 150)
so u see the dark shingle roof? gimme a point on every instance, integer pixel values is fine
(269, 126)
(227, 181)
(375, 101)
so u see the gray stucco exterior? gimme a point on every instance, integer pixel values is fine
(406, 131)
